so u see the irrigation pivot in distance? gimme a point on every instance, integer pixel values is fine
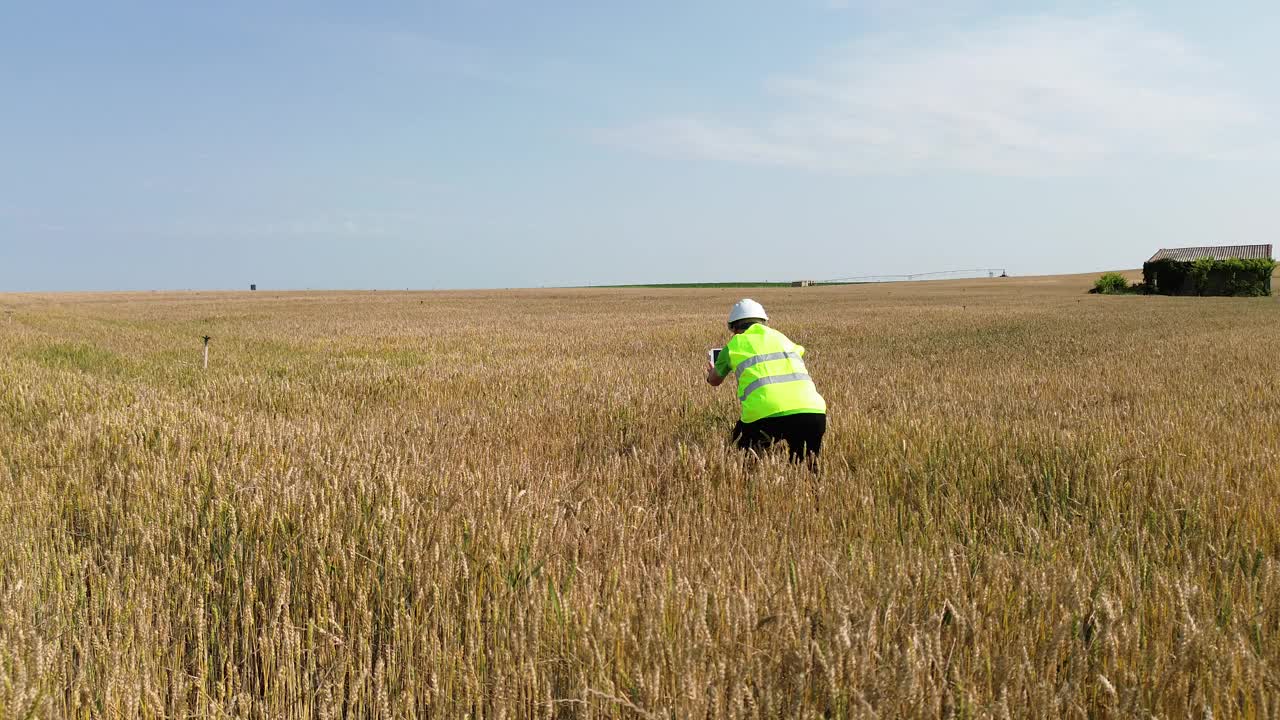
(939, 275)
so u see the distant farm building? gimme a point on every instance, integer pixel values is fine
(803, 283)
(1221, 270)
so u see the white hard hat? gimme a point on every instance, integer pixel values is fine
(746, 308)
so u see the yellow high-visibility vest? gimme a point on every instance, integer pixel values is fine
(772, 379)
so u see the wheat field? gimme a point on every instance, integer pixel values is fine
(1033, 502)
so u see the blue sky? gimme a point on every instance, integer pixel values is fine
(481, 143)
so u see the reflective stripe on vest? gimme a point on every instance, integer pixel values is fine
(755, 359)
(771, 379)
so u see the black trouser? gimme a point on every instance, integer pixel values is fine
(803, 433)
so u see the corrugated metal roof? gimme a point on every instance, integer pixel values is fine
(1220, 252)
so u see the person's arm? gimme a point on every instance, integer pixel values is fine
(713, 378)
(720, 369)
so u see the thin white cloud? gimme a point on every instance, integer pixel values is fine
(1030, 96)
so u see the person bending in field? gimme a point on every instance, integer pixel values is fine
(779, 399)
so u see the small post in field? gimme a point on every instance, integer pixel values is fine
(206, 352)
